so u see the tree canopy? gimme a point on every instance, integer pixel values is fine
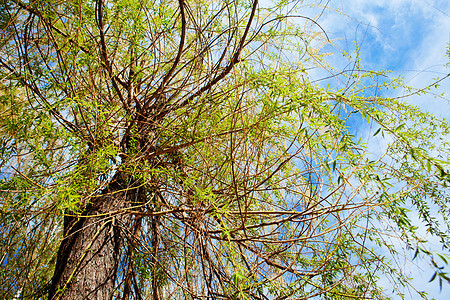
(161, 149)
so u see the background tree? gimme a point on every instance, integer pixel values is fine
(179, 149)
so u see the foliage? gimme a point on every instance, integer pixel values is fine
(251, 182)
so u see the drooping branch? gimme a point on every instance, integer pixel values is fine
(166, 78)
(104, 54)
(234, 60)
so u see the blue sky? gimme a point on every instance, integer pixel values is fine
(409, 38)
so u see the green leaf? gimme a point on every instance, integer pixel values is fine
(442, 257)
(376, 132)
(238, 278)
(433, 277)
(416, 253)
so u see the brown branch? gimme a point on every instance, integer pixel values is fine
(184, 145)
(104, 53)
(67, 124)
(155, 245)
(130, 270)
(177, 58)
(232, 63)
(30, 9)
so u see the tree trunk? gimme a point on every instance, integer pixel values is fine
(88, 257)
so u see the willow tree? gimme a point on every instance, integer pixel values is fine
(160, 149)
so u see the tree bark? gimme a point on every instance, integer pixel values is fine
(88, 257)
